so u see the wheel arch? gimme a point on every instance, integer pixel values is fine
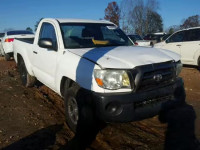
(197, 57)
(27, 64)
(63, 84)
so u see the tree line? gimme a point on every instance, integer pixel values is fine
(142, 17)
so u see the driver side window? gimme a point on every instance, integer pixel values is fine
(177, 37)
(48, 31)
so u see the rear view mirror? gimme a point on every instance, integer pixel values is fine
(46, 43)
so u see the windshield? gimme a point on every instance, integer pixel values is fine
(165, 37)
(86, 35)
(18, 32)
(153, 36)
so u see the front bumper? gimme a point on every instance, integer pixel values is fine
(127, 107)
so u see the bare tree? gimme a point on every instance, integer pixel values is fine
(37, 23)
(192, 21)
(154, 21)
(137, 16)
(141, 16)
(125, 8)
(112, 13)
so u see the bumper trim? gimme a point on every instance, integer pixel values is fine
(127, 107)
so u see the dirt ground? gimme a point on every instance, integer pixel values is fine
(33, 118)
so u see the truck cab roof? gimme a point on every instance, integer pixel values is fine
(69, 20)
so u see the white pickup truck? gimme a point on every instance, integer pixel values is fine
(94, 65)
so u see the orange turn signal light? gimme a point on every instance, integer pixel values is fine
(99, 82)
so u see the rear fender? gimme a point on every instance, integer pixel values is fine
(196, 57)
(26, 61)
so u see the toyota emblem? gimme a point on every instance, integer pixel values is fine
(157, 77)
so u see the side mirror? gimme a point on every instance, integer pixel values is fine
(46, 43)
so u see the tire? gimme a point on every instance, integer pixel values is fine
(26, 78)
(1, 55)
(151, 44)
(198, 63)
(78, 112)
(7, 57)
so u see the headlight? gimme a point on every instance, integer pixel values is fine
(179, 67)
(112, 79)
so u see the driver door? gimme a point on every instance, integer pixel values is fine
(45, 59)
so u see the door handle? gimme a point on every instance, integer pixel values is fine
(178, 45)
(34, 52)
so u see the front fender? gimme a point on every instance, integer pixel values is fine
(78, 69)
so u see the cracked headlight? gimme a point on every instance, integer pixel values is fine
(112, 79)
(179, 67)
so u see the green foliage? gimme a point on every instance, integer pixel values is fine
(171, 31)
(29, 29)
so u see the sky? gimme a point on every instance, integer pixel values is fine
(20, 14)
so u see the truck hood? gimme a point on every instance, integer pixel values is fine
(125, 56)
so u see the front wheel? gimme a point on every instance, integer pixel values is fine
(26, 78)
(78, 108)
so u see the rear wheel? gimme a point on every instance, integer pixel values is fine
(1, 54)
(26, 78)
(7, 57)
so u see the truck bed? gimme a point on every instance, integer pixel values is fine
(26, 40)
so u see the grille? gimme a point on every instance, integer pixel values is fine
(153, 101)
(165, 70)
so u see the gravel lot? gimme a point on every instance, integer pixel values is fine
(33, 118)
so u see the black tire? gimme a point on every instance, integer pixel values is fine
(26, 78)
(198, 62)
(7, 57)
(1, 55)
(151, 44)
(78, 110)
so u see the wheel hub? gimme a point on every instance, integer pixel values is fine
(73, 110)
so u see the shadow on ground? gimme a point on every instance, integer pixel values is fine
(180, 118)
(39, 140)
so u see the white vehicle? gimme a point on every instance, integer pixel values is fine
(186, 43)
(138, 40)
(1, 48)
(154, 37)
(96, 69)
(6, 48)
